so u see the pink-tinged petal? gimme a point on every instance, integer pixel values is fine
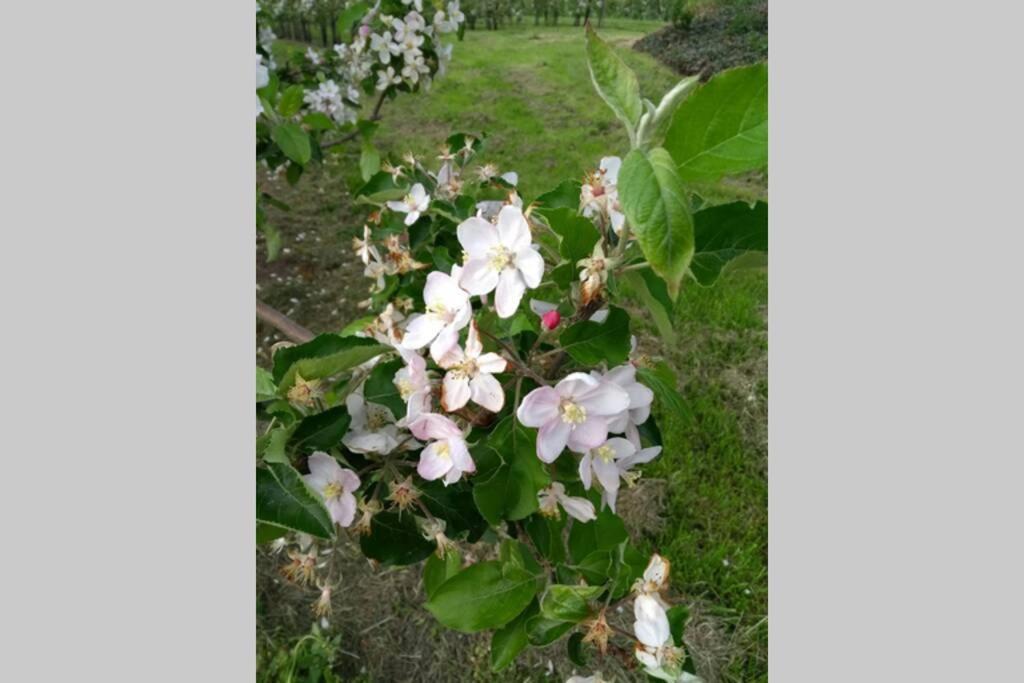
(639, 458)
(356, 407)
(453, 475)
(513, 231)
(486, 391)
(478, 278)
(397, 206)
(369, 442)
(349, 480)
(621, 447)
(491, 363)
(531, 266)
(412, 217)
(586, 471)
(608, 498)
(610, 166)
(315, 482)
(640, 415)
(434, 426)
(477, 236)
(323, 466)
(463, 315)
(421, 330)
(343, 509)
(445, 348)
(578, 508)
(607, 473)
(510, 292)
(623, 375)
(433, 466)
(460, 455)
(551, 439)
(651, 625)
(591, 434)
(538, 407)
(606, 400)
(455, 392)
(619, 423)
(436, 286)
(639, 396)
(576, 384)
(473, 346)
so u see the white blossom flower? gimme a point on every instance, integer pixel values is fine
(470, 375)
(335, 484)
(418, 4)
(594, 275)
(640, 400)
(447, 454)
(447, 308)
(385, 47)
(327, 99)
(313, 56)
(414, 21)
(372, 429)
(655, 578)
(554, 495)
(267, 37)
(414, 68)
(413, 204)
(500, 257)
(454, 13)
(413, 385)
(262, 74)
(610, 462)
(575, 412)
(364, 248)
(442, 24)
(599, 195)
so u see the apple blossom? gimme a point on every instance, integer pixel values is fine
(640, 400)
(655, 578)
(387, 77)
(314, 57)
(578, 508)
(335, 484)
(500, 257)
(447, 454)
(413, 384)
(575, 412)
(599, 195)
(594, 275)
(611, 462)
(372, 429)
(413, 204)
(447, 309)
(470, 375)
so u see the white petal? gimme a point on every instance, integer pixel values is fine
(642, 456)
(646, 658)
(323, 466)
(477, 237)
(586, 471)
(478, 277)
(487, 392)
(591, 434)
(607, 473)
(541, 307)
(349, 479)
(421, 330)
(473, 346)
(455, 392)
(343, 509)
(531, 264)
(434, 426)
(606, 399)
(491, 363)
(576, 384)
(445, 348)
(433, 466)
(460, 455)
(578, 508)
(600, 316)
(513, 231)
(651, 625)
(610, 166)
(551, 439)
(510, 292)
(538, 407)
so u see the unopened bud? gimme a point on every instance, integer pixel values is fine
(550, 320)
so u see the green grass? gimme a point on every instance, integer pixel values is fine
(528, 88)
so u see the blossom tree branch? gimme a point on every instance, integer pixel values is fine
(279, 321)
(375, 116)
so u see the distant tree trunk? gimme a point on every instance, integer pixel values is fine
(334, 30)
(600, 14)
(323, 30)
(586, 15)
(305, 30)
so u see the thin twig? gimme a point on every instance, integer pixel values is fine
(291, 329)
(375, 116)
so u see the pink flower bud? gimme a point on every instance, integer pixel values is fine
(550, 320)
(364, 30)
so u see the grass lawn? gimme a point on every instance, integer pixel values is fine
(528, 88)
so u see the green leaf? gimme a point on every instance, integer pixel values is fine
(568, 603)
(265, 533)
(511, 492)
(724, 233)
(394, 539)
(273, 450)
(482, 596)
(590, 343)
(317, 120)
(541, 631)
(655, 124)
(647, 287)
(662, 381)
(437, 570)
(326, 355)
(595, 568)
(677, 617)
(615, 82)
(604, 533)
(273, 237)
(546, 534)
(578, 235)
(294, 142)
(575, 649)
(284, 500)
(454, 504)
(265, 388)
(380, 388)
(369, 160)
(322, 431)
(565, 196)
(291, 101)
(508, 641)
(652, 199)
(347, 19)
(722, 129)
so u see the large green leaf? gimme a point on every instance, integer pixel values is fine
(578, 235)
(380, 388)
(326, 355)
(615, 82)
(508, 641)
(722, 129)
(654, 203)
(294, 142)
(654, 123)
(591, 343)
(604, 533)
(322, 431)
(565, 196)
(395, 539)
(568, 603)
(511, 491)
(725, 233)
(437, 570)
(347, 20)
(284, 500)
(484, 596)
(291, 101)
(652, 293)
(454, 504)
(265, 388)
(542, 631)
